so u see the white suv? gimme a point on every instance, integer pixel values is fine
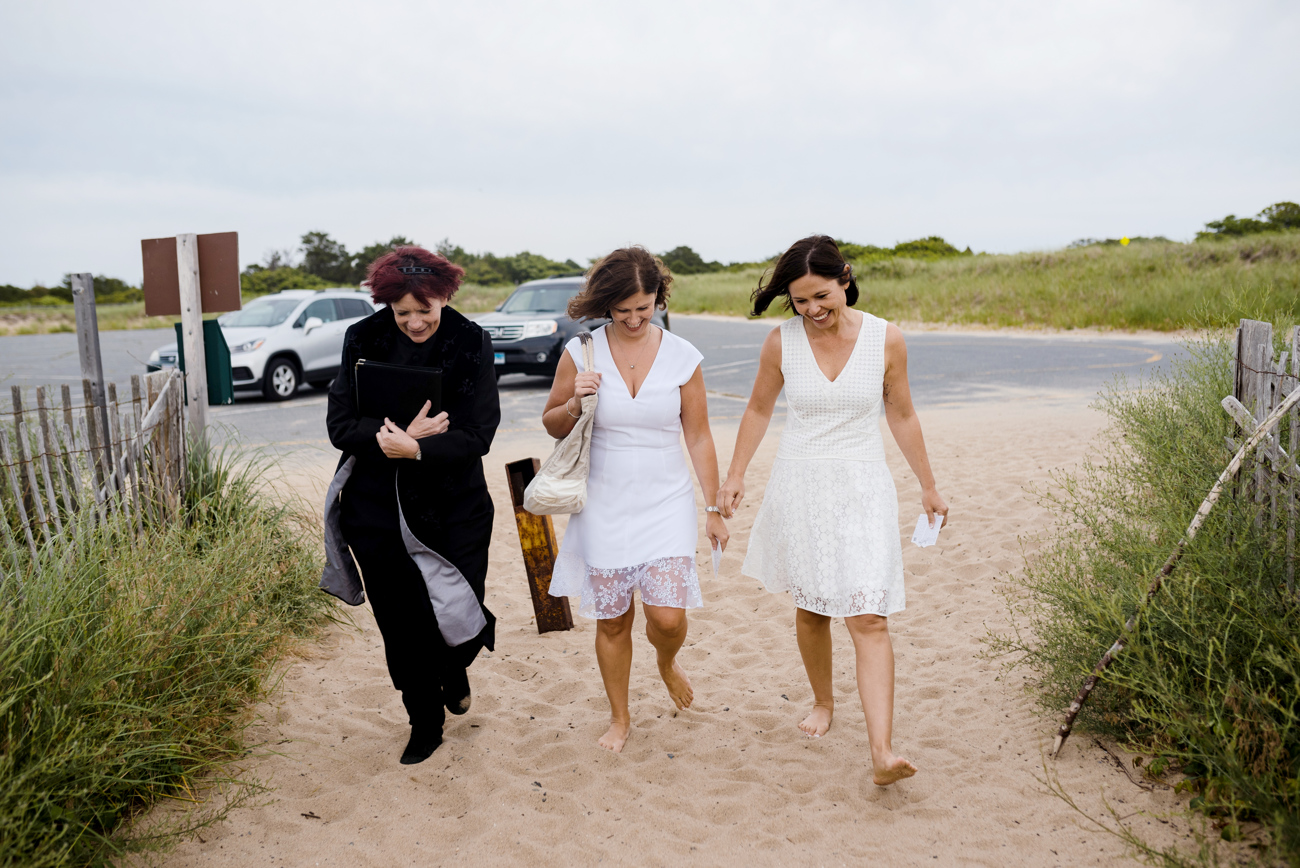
(279, 341)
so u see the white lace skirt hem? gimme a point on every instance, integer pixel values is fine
(827, 532)
(607, 593)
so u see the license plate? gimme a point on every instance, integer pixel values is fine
(498, 358)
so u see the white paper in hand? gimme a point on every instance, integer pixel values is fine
(925, 533)
(717, 558)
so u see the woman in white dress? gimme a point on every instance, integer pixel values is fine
(638, 530)
(827, 530)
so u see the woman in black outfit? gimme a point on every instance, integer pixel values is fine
(412, 504)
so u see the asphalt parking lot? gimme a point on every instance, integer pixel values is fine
(946, 368)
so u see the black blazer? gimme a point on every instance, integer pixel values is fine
(444, 495)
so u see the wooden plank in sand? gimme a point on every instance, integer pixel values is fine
(537, 539)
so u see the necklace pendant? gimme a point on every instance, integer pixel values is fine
(631, 366)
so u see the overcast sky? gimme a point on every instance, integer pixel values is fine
(570, 128)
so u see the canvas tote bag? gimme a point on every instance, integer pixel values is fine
(560, 486)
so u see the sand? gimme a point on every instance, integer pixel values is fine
(520, 779)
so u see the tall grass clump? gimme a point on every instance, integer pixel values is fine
(1210, 684)
(127, 671)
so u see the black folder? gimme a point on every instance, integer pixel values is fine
(397, 392)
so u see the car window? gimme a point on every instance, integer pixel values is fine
(354, 307)
(541, 299)
(323, 308)
(263, 312)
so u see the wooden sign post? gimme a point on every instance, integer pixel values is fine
(187, 272)
(537, 539)
(191, 275)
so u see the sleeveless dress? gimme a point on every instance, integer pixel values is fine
(827, 530)
(639, 528)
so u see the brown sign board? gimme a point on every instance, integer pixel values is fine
(218, 274)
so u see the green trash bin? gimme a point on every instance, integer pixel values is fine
(221, 380)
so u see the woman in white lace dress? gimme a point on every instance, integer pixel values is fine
(827, 530)
(638, 530)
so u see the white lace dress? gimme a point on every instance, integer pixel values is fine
(639, 528)
(827, 530)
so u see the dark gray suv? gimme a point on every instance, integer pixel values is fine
(530, 328)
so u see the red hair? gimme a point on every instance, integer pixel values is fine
(389, 284)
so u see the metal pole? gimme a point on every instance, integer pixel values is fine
(92, 363)
(196, 369)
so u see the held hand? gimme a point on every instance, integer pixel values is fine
(422, 426)
(586, 383)
(395, 442)
(716, 528)
(730, 496)
(933, 502)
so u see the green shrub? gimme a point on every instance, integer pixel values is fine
(127, 671)
(1210, 684)
(256, 280)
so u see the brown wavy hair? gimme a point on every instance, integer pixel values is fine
(619, 276)
(816, 254)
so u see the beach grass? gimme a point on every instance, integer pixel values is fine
(1209, 687)
(1150, 285)
(127, 672)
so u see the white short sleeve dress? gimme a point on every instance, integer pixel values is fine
(827, 530)
(639, 528)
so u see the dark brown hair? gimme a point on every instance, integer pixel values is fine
(432, 276)
(816, 254)
(619, 276)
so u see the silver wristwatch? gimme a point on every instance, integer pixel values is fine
(419, 453)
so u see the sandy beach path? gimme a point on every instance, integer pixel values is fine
(731, 781)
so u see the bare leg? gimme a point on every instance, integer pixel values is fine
(665, 627)
(614, 654)
(814, 634)
(875, 659)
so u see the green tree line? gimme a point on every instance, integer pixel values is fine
(108, 290)
(323, 261)
(1278, 217)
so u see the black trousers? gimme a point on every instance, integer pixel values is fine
(419, 661)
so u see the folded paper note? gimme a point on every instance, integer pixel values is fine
(927, 534)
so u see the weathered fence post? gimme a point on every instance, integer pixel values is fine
(92, 362)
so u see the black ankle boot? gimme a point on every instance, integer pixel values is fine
(424, 741)
(455, 691)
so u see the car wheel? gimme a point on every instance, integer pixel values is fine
(280, 382)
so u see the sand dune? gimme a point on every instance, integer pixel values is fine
(521, 781)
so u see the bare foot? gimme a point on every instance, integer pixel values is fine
(894, 770)
(818, 722)
(616, 736)
(679, 686)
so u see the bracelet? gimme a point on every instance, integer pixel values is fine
(566, 409)
(713, 509)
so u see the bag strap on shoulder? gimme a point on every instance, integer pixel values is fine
(588, 351)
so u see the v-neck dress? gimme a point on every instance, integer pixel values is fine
(827, 530)
(639, 528)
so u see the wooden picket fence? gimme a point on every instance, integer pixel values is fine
(66, 464)
(1261, 382)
